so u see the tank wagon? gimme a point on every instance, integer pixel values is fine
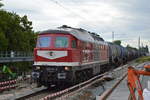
(117, 54)
(69, 55)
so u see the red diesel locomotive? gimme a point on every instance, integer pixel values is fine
(69, 55)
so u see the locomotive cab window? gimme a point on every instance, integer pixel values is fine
(74, 44)
(61, 42)
(44, 41)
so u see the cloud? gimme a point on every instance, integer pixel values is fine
(129, 19)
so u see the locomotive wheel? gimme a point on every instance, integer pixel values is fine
(38, 81)
(79, 76)
(83, 75)
(90, 73)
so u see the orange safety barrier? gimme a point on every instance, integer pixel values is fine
(133, 81)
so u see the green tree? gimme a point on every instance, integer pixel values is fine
(16, 34)
(18, 31)
(144, 49)
(1, 4)
(147, 49)
(129, 47)
(3, 42)
(118, 42)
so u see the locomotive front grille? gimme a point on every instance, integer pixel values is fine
(51, 74)
(48, 74)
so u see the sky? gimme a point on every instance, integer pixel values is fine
(128, 19)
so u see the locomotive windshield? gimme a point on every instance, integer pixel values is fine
(44, 41)
(61, 42)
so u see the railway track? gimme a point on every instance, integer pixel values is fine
(64, 94)
(35, 95)
(46, 94)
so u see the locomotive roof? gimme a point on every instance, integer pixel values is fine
(80, 34)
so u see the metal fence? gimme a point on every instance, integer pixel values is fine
(11, 54)
(15, 56)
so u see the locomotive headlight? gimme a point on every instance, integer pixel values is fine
(67, 68)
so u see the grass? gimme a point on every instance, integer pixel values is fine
(143, 59)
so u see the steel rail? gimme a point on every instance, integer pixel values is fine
(107, 93)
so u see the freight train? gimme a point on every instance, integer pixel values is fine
(69, 55)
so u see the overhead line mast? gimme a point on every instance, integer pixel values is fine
(139, 43)
(113, 36)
